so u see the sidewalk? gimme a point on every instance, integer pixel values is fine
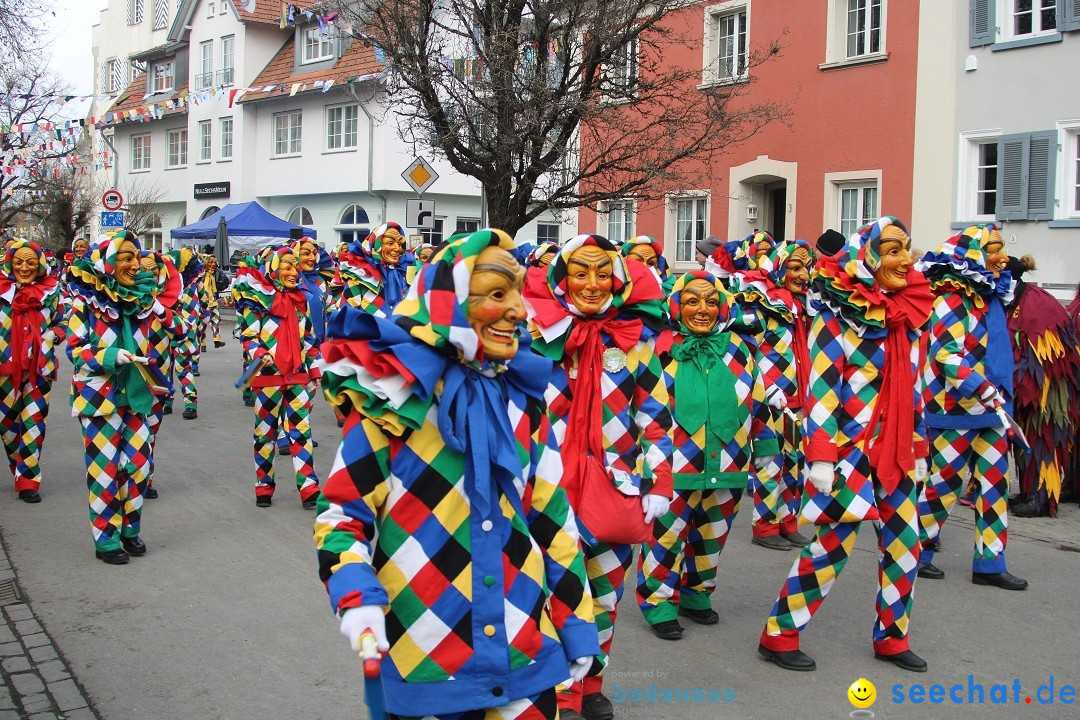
(35, 682)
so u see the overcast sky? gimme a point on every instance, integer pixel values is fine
(70, 35)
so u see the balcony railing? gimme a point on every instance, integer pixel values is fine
(204, 80)
(225, 76)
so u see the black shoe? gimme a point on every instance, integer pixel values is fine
(1025, 509)
(151, 493)
(937, 545)
(701, 617)
(219, 343)
(341, 423)
(113, 557)
(311, 502)
(134, 546)
(930, 571)
(668, 630)
(190, 413)
(906, 660)
(314, 442)
(29, 496)
(249, 402)
(569, 715)
(595, 706)
(789, 660)
(167, 410)
(1004, 580)
(773, 542)
(284, 450)
(262, 501)
(196, 373)
(796, 539)
(202, 348)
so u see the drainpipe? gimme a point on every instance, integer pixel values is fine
(371, 153)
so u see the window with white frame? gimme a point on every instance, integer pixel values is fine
(727, 33)
(301, 216)
(150, 238)
(1026, 18)
(863, 27)
(623, 70)
(1072, 182)
(228, 50)
(116, 75)
(354, 224)
(287, 127)
(140, 152)
(161, 14)
(135, 12)
(986, 172)
(467, 225)
(210, 11)
(434, 234)
(858, 206)
(205, 139)
(341, 124)
(620, 221)
(135, 69)
(224, 6)
(547, 232)
(163, 77)
(977, 179)
(315, 46)
(691, 224)
(177, 156)
(226, 139)
(205, 77)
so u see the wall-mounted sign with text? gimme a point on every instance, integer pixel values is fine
(205, 191)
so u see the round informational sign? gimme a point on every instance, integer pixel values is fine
(112, 200)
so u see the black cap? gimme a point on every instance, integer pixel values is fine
(296, 233)
(830, 242)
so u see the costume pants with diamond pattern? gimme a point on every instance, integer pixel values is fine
(290, 404)
(153, 423)
(215, 323)
(819, 564)
(117, 467)
(537, 707)
(187, 364)
(776, 486)
(23, 412)
(678, 569)
(982, 453)
(606, 565)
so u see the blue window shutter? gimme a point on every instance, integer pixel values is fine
(982, 29)
(1012, 176)
(1042, 168)
(1070, 15)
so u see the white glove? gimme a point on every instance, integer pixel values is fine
(366, 618)
(760, 462)
(654, 506)
(580, 668)
(123, 357)
(776, 398)
(822, 476)
(991, 399)
(921, 469)
(48, 337)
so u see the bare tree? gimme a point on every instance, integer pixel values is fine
(141, 194)
(28, 92)
(20, 27)
(557, 104)
(66, 200)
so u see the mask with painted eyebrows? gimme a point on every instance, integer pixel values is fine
(589, 279)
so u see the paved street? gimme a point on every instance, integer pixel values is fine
(225, 618)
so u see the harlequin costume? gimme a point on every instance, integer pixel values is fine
(864, 348)
(783, 361)
(214, 282)
(274, 324)
(30, 324)
(112, 400)
(246, 263)
(168, 289)
(367, 281)
(444, 506)
(609, 406)
(186, 351)
(1047, 394)
(969, 372)
(631, 247)
(721, 424)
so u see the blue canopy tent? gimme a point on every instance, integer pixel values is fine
(249, 226)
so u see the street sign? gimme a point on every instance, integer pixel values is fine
(112, 219)
(112, 200)
(420, 214)
(420, 175)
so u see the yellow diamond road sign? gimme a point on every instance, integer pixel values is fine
(420, 175)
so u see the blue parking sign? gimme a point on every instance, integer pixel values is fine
(112, 219)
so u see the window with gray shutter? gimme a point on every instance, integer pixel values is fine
(1026, 176)
(1012, 168)
(103, 76)
(982, 28)
(1042, 154)
(1070, 15)
(161, 14)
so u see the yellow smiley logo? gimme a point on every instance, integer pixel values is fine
(862, 693)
